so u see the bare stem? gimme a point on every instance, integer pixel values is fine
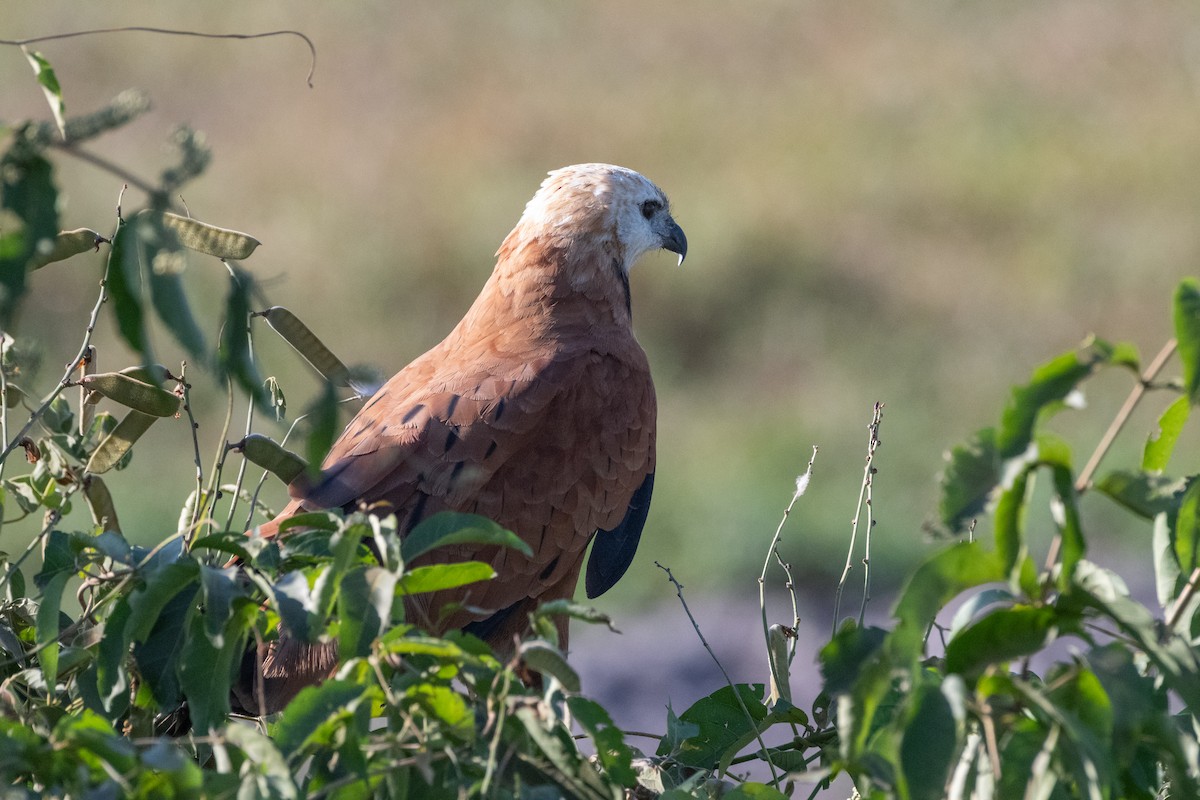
(312, 49)
(736, 695)
(869, 483)
(15, 441)
(1184, 598)
(4, 340)
(197, 458)
(106, 165)
(868, 471)
(773, 550)
(241, 475)
(1084, 481)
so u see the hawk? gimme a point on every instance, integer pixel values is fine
(536, 411)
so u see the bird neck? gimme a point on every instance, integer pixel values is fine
(561, 284)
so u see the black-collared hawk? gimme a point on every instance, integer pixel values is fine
(537, 411)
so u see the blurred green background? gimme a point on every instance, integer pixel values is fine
(907, 202)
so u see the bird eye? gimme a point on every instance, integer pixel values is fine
(649, 207)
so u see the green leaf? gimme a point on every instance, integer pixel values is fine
(161, 585)
(125, 289)
(450, 528)
(541, 657)
(614, 755)
(319, 520)
(344, 546)
(843, 658)
(1161, 442)
(435, 577)
(296, 605)
(48, 626)
(1166, 561)
(172, 307)
(323, 428)
(112, 676)
(1010, 519)
(1001, 636)
(219, 589)
(1187, 530)
(234, 357)
(1048, 387)
(1082, 695)
(1070, 528)
(398, 641)
(1143, 493)
(928, 744)
(49, 83)
(1173, 655)
(677, 733)
(721, 723)
(1187, 335)
(943, 576)
(364, 609)
(90, 733)
(265, 773)
(57, 558)
(312, 715)
(27, 190)
(569, 608)
(206, 668)
(225, 542)
(967, 482)
(976, 603)
(448, 707)
(551, 741)
(158, 655)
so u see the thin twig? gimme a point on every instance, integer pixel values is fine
(208, 498)
(1085, 476)
(312, 49)
(498, 718)
(15, 441)
(989, 738)
(262, 479)
(1084, 481)
(869, 482)
(868, 471)
(736, 695)
(197, 459)
(241, 474)
(3, 408)
(1185, 597)
(106, 165)
(815, 739)
(773, 549)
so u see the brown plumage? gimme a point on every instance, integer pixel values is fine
(537, 411)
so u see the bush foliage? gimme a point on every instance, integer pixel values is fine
(106, 647)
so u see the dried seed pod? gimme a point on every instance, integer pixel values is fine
(306, 343)
(67, 244)
(202, 237)
(133, 393)
(154, 374)
(271, 456)
(100, 503)
(119, 440)
(13, 395)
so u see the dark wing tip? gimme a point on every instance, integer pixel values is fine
(613, 550)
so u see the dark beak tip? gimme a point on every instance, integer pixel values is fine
(676, 242)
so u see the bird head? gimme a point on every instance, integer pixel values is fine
(607, 205)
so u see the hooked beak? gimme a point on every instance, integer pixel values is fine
(675, 240)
